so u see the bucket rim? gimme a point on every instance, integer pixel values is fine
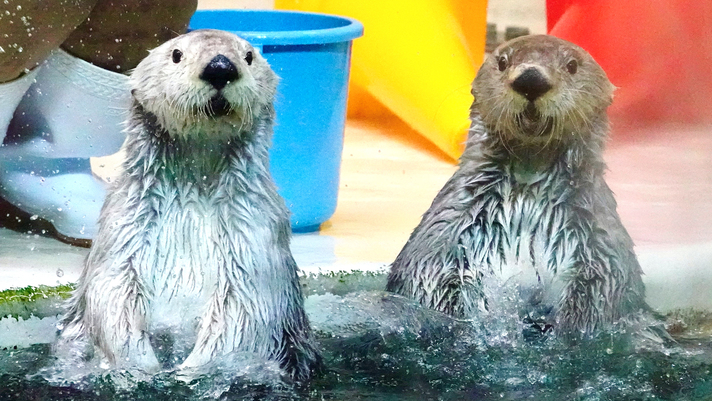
(351, 29)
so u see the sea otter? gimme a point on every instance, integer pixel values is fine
(527, 223)
(194, 239)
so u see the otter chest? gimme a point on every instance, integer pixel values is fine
(181, 267)
(521, 256)
(193, 241)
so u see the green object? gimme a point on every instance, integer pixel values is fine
(29, 301)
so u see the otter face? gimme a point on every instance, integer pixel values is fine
(206, 82)
(538, 88)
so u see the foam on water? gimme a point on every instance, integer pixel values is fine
(20, 332)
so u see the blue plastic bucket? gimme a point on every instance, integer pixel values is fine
(311, 53)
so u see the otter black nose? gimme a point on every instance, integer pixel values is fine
(531, 84)
(219, 71)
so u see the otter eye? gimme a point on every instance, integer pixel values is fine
(248, 58)
(502, 63)
(572, 67)
(177, 55)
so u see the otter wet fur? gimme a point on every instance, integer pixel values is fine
(194, 239)
(528, 207)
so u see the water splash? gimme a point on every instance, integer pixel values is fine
(379, 346)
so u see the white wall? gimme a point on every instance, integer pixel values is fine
(521, 13)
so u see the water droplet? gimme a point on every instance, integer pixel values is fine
(60, 272)
(59, 209)
(34, 217)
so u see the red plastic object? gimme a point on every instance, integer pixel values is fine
(658, 54)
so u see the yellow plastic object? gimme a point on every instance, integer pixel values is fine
(417, 57)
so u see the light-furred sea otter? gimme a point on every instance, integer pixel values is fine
(194, 239)
(527, 224)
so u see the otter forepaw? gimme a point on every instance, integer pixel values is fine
(139, 355)
(188, 374)
(535, 330)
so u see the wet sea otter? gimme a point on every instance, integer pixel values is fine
(527, 223)
(194, 239)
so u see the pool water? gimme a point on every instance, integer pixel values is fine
(380, 347)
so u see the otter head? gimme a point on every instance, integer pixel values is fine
(541, 89)
(205, 83)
